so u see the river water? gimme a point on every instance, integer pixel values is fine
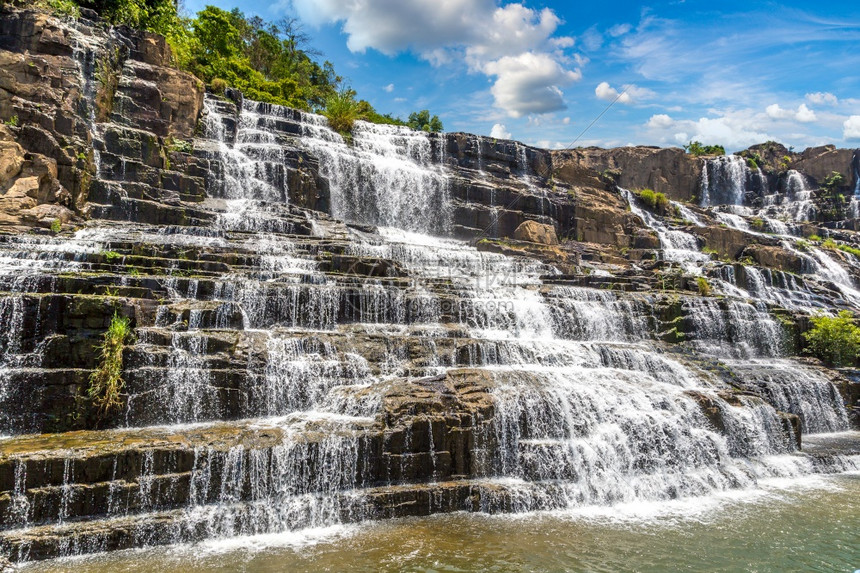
(811, 524)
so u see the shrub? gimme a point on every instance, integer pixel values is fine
(704, 286)
(835, 340)
(654, 201)
(56, 226)
(342, 111)
(219, 86)
(757, 223)
(106, 381)
(833, 182)
(12, 121)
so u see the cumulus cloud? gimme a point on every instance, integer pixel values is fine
(733, 129)
(389, 88)
(496, 40)
(776, 112)
(606, 92)
(630, 95)
(803, 114)
(500, 132)
(851, 128)
(529, 83)
(660, 121)
(822, 98)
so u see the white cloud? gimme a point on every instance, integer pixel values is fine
(803, 113)
(500, 132)
(389, 88)
(851, 128)
(619, 30)
(608, 93)
(731, 130)
(776, 112)
(529, 83)
(630, 95)
(566, 121)
(491, 39)
(822, 98)
(660, 121)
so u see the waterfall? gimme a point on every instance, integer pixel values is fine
(724, 181)
(293, 369)
(677, 246)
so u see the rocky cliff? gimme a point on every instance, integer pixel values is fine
(326, 331)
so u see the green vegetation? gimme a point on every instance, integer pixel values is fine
(182, 145)
(111, 256)
(12, 121)
(56, 226)
(835, 340)
(833, 182)
(697, 148)
(421, 120)
(704, 286)
(757, 223)
(342, 110)
(269, 62)
(654, 201)
(833, 245)
(106, 381)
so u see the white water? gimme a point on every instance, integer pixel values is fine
(589, 410)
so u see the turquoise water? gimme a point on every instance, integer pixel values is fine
(812, 524)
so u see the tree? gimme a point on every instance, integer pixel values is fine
(421, 120)
(696, 148)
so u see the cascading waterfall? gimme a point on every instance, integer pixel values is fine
(676, 246)
(724, 181)
(587, 406)
(388, 176)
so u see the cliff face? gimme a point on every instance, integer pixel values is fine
(329, 331)
(670, 171)
(69, 90)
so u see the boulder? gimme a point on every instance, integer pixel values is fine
(534, 232)
(775, 258)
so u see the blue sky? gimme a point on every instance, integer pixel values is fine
(733, 73)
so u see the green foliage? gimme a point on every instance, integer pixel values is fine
(266, 62)
(704, 286)
(833, 245)
(835, 340)
(654, 201)
(833, 182)
(182, 145)
(111, 256)
(56, 226)
(814, 238)
(751, 163)
(219, 86)
(342, 111)
(421, 120)
(12, 121)
(106, 381)
(697, 148)
(757, 223)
